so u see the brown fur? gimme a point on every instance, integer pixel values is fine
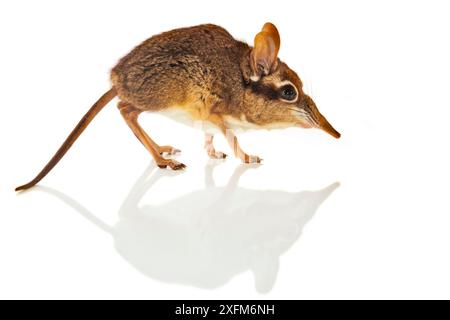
(215, 78)
(206, 71)
(182, 67)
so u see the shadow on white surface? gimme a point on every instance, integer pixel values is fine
(206, 237)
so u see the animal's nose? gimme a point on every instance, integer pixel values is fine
(327, 127)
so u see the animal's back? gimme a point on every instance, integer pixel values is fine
(178, 66)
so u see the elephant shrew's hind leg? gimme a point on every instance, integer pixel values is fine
(131, 114)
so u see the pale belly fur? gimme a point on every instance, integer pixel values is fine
(237, 124)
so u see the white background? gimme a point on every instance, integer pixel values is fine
(378, 70)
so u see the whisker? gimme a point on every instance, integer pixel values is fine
(296, 110)
(308, 89)
(304, 114)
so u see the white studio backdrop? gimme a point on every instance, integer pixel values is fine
(366, 216)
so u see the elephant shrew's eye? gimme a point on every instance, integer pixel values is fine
(288, 92)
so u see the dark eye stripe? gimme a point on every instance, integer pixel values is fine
(267, 91)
